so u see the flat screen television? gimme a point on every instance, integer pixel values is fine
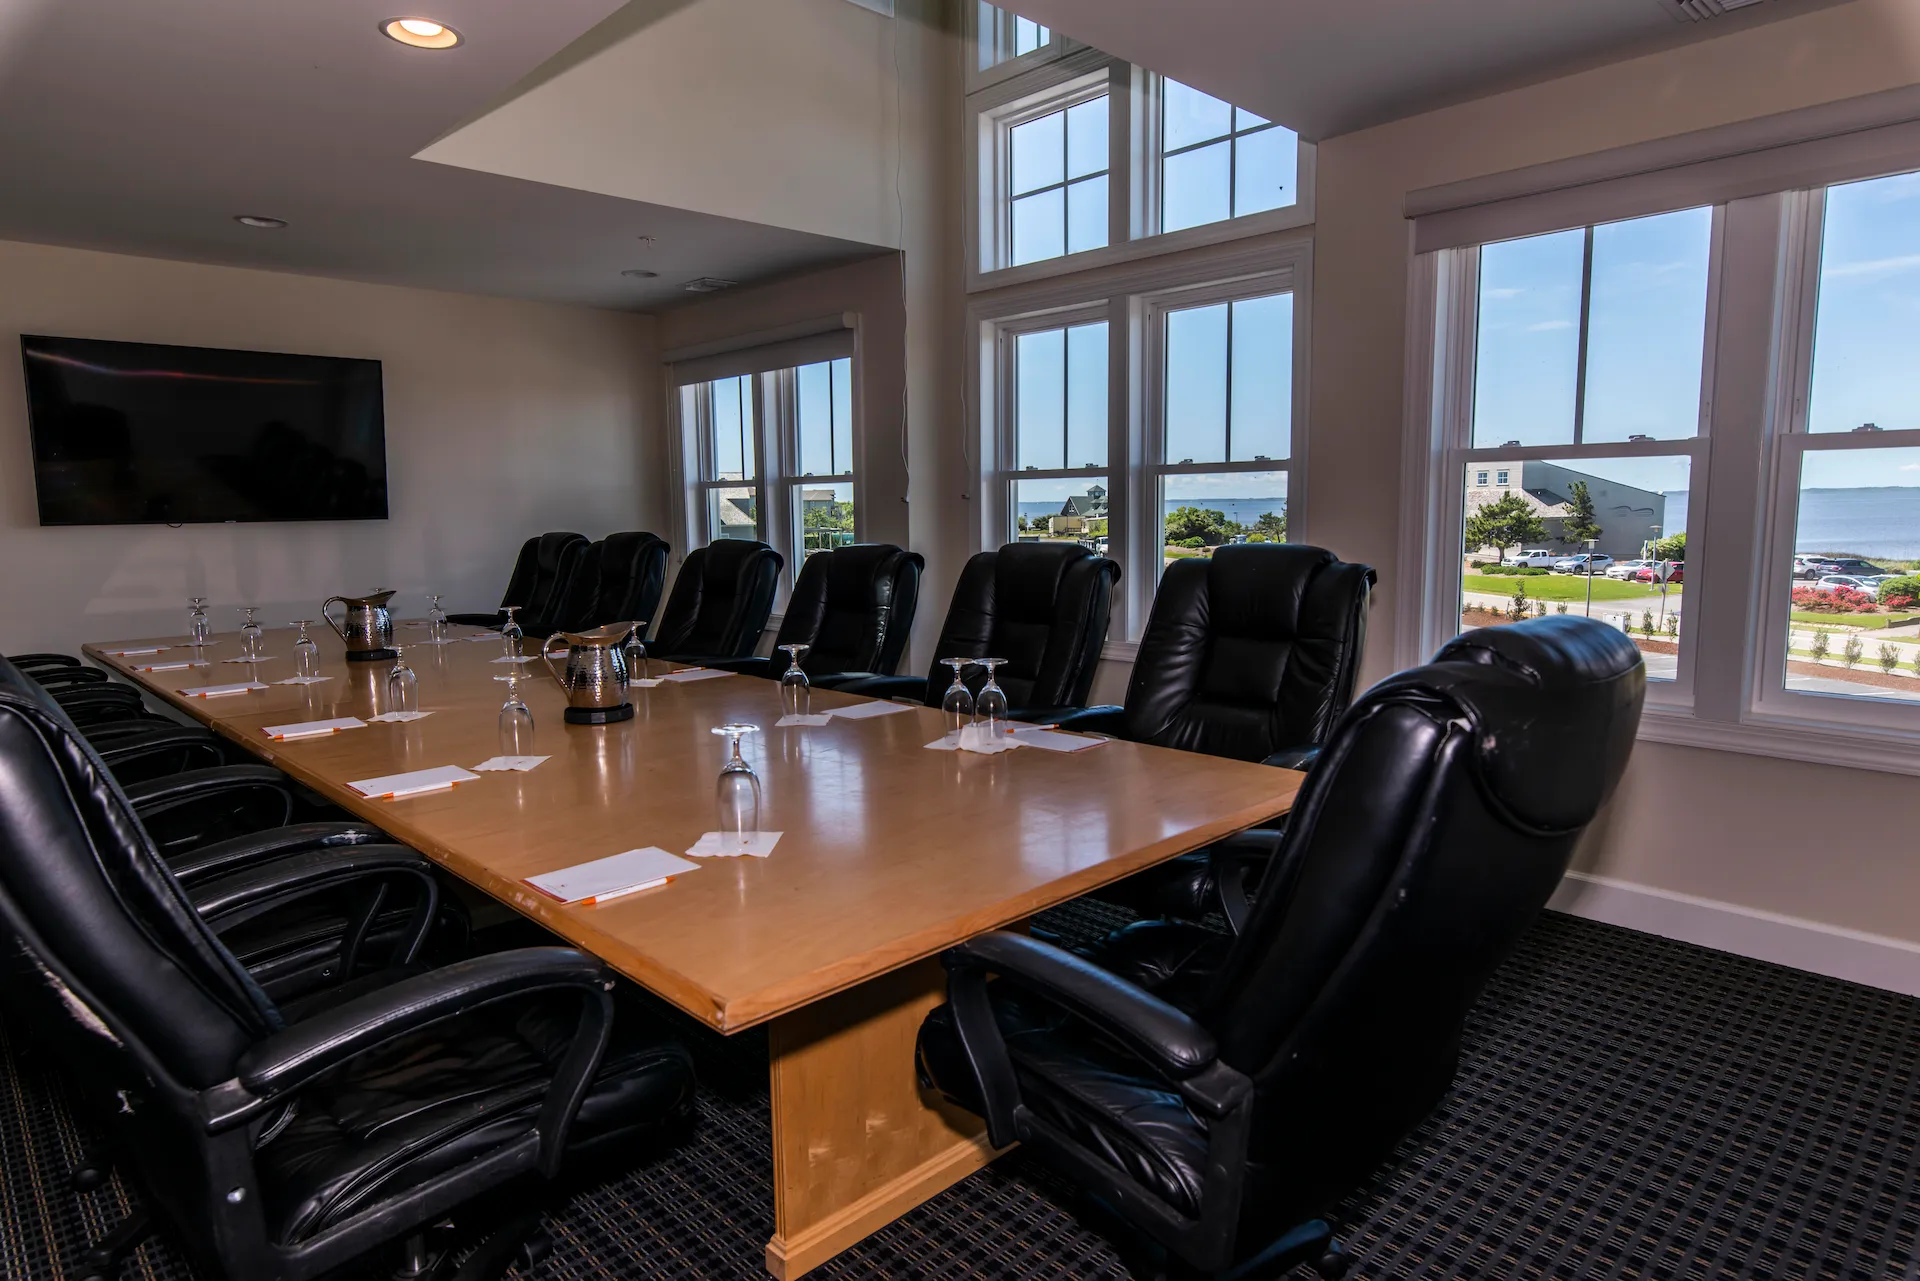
(139, 434)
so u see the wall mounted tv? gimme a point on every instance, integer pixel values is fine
(139, 434)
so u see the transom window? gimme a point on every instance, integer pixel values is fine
(1004, 35)
(1057, 182)
(1218, 161)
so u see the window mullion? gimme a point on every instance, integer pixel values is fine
(1586, 317)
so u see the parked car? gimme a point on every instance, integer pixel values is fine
(1809, 567)
(1652, 573)
(1851, 566)
(1626, 569)
(1834, 582)
(1584, 563)
(1539, 558)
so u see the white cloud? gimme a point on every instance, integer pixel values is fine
(1910, 467)
(1547, 326)
(1875, 267)
(1503, 293)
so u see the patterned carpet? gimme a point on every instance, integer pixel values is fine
(1626, 1107)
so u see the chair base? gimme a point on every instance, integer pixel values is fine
(371, 655)
(102, 1261)
(598, 715)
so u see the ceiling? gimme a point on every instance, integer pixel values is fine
(145, 128)
(1327, 67)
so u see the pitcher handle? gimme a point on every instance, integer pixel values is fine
(547, 657)
(337, 627)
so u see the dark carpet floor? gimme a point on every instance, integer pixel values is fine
(1626, 1107)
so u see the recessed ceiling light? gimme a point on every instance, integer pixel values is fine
(640, 273)
(421, 33)
(259, 220)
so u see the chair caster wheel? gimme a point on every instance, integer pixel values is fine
(1334, 1264)
(534, 1250)
(87, 1178)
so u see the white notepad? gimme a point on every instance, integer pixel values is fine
(264, 658)
(721, 845)
(392, 717)
(695, 674)
(395, 786)
(216, 691)
(519, 764)
(303, 680)
(787, 722)
(180, 666)
(865, 711)
(312, 729)
(615, 877)
(1054, 741)
(522, 658)
(136, 651)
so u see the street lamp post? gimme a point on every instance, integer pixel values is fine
(1590, 544)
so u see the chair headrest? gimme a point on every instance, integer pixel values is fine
(727, 559)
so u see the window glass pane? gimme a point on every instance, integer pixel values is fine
(1196, 187)
(733, 512)
(1647, 327)
(1867, 329)
(1087, 138)
(1530, 536)
(1039, 226)
(1039, 149)
(1244, 119)
(733, 434)
(1028, 35)
(1087, 215)
(1857, 548)
(1261, 394)
(843, 415)
(1062, 511)
(1200, 513)
(825, 513)
(1189, 116)
(1529, 340)
(1266, 171)
(814, 391)
(1040, 399)
(1087, 396)
(1196, 384)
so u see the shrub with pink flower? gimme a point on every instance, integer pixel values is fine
(1841, 600)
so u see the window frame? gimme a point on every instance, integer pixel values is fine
(785, 386)
(1148, 120)
(978, 77)
(701, 482)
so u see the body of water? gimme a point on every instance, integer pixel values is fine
(1242, 511)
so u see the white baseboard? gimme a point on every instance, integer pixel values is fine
(1872, 959)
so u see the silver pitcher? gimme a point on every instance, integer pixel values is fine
(595, 677)
(366, 626)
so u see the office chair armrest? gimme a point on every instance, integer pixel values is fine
(157, 796)
(68, 677)
(1300, 758)
(291, 1058)
(295, 875)
(1091, 720)
(869, 686)
(493, 620)
(27, 661)
(103, 732)
(183, 812)
(1166, 1037)
(150, 740)
(768, 668)
(86, 695)
(223, 857)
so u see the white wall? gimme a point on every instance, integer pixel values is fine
(504, 419)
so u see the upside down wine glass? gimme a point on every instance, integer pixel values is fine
(516, 720)
(403, 687)
(957, 706)
(306, 654)
(250, 633)
(436, 620)
(737, 796)
(636, 656)
(510, 638)
(199, 629)
(796, 691)
(991, 705)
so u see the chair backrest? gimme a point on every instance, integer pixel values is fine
(1431, 832)
(854, 606)
(542, 574)
(618, 580)
(1250, 651)
(1043, 607)
(721, 600)
(101, 945)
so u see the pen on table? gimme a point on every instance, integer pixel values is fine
(593, 899)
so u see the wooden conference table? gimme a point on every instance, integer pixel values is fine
(890, 854)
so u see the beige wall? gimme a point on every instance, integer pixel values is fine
(1717, 825)
(503, 419)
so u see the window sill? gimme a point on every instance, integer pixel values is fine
(1819, 743)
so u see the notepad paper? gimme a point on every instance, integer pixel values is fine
(647, 683)
(135, 652)
(484, 636)
(264, 658)
(788, 722)
(400, 717)
(303, 680)
(1049, 740)
(180, 666)
(974, 738)
(727, 845)
(313, 729)
(615, 877)
(395, 786)
(216, 691)
(866, 711)
(519, 764)
(518, 658)
(695, 674)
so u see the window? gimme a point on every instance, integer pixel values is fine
(727, 429)
(1002, 36)
(1218, 161)
(1061, 428)
(822, 495)
(1057, 182)
(1587, 362)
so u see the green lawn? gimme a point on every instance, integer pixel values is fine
(1567, 587)
(1865, 621)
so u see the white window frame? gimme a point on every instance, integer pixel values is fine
(1061, 88)
(979, 77)
(784, 390)
(700, 482)
(1147, 119)
(1132, 303)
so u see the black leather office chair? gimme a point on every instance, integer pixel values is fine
(1216, 1090)
(720, 602)
(1043, 607)
(288, 1143)
(1252, 654)
(852, 607)
(619, 580)
(542, 573)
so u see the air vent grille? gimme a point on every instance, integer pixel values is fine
(708, 285)
(1701, 10)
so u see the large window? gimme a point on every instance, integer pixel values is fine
(727, 488)
(1218, 161)
(1061, 431)
(1057, 182)
(822, 492)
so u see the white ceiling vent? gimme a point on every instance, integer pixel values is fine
(1701, 10)
(882, 7)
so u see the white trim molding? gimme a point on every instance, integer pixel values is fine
(1854, 955)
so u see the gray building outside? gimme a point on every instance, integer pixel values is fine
(1628, 517)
